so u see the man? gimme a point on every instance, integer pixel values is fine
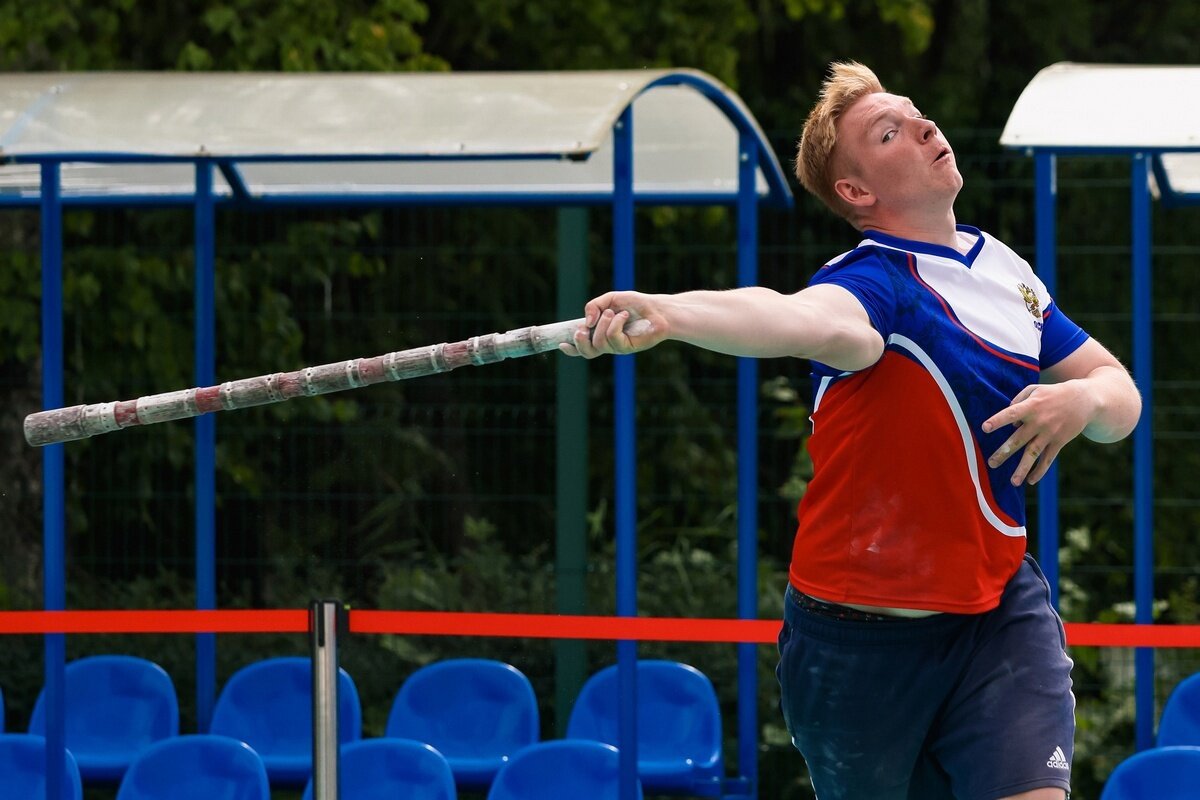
(920, 657)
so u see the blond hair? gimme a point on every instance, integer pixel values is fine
(846, 83)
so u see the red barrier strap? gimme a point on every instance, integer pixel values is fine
(1101, 634)
(532, 626)
(554, 626)
(191, 621)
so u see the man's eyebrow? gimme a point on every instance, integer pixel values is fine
(875, 118)
(879, 115)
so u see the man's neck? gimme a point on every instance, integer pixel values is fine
(940, 230)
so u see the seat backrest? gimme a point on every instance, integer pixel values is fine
(114, 703)
(1161, 773)
(1180, 723)
(564, 769)
(196, 767)
(466, 708)
(268, 705)
(23, 768)
(679, 715)
(389, 769)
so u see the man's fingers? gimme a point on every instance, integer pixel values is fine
(594, 308)
(1024, 394)
(1035, 463)
(996, 421)
(1044, 462)
(616, 330)
(1013, 445)
(608, 335)
(1011, 415)
(611, 333)
(1028, 459)
(581, 345)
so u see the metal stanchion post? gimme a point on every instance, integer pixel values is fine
(327, 619)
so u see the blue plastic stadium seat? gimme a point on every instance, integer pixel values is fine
(196, 767)
(23, 768)
(390, 769)
(268, 705)
(1180, 723)
(679, 725)
(1162, 773)
(476, 712)
(116, 706)
(564, 769)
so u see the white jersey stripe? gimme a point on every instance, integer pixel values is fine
(964, 430)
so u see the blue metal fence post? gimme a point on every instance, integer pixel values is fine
(1143, 444)
(625, 452)
(54, 487)
(1046, 254)
(205, 430)
(747, 487)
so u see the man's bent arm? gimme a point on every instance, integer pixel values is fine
(1115, 404)
(1088, 392)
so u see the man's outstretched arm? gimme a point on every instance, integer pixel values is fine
(825, 323)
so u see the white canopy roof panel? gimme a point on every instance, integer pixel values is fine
(1105, 107)
(413, 133)
(1081, 108)
(1183, 172)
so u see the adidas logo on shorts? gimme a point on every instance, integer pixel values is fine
(1058, 759)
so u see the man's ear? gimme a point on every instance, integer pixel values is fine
(854, 193)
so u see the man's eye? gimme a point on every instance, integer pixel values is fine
(887, 137)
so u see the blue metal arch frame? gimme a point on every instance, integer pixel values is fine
(753, 152)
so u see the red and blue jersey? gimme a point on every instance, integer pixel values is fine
(903, 509)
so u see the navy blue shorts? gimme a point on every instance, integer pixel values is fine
(953, 706)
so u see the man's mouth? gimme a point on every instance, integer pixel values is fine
(942, 155)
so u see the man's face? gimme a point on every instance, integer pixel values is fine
(887, 145)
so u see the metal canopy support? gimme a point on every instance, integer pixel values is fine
(1046, 205)
(571, 458)
(1143, 436)
(1143, 444)
(625, 457)
(54, 513)
(1072, 109)
(747, 471)
(205, 467)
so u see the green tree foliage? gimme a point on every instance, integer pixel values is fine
(302, 35)
(359, 35)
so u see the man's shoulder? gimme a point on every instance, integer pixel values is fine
(866, 254)
(867, 267)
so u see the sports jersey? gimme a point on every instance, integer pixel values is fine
(903, 509)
